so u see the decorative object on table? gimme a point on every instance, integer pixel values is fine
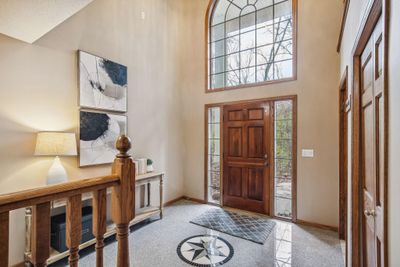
(205, 250)
(142, 165)
(136, 166)
(58, 225)
(103, 83)
(98, 133)
(56, 144)
(255, 229)
(150, 167)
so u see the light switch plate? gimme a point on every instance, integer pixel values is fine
(307, 153)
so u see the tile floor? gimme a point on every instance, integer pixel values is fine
(288, 245)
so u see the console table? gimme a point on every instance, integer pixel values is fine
(145, 211)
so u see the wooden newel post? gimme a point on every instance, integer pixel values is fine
(123, 198)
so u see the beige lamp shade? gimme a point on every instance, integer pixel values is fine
(55, 144)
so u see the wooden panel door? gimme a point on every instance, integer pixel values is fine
(372, 149)
(246, 167)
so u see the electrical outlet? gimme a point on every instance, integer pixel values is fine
(307, 153)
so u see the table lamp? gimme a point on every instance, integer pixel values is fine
(56, 144)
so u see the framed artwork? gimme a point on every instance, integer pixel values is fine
(98, 134)
(103, 84)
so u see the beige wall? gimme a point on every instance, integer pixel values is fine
(165, 58)
(317, 90)
(39, 92)
(357, 10)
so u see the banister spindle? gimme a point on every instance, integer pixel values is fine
(123, 198)
(4, 238)
(74, 228)
(41, 234)
(99, 222)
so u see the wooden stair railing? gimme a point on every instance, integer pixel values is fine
(122, 182)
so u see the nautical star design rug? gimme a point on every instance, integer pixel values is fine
(251, 228)
(205, 250)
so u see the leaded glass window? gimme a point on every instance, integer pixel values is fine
(250, 41)
(214, 155)
(283, 158)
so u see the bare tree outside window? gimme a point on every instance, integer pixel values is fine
(213, 155)
(255, 44)
(283, 157)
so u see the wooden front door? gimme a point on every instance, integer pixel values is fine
(372, 149)
(247, 145)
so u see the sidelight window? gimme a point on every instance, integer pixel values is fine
(214, 155)
(283, 158)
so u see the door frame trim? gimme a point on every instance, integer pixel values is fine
(344, 109)
(294, 151)
(375, 9)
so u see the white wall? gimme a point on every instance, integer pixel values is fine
(357, 11)
(39, 91)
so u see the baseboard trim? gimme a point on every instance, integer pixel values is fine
(318, 225)
(171, 202)
(300, 222)
(21, 264)
(201, 201)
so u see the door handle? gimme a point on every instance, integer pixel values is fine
(370, 213)
(266, 163)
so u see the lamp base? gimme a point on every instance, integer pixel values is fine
(57, 173)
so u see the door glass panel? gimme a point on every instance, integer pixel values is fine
(213, 155)
(283, 157)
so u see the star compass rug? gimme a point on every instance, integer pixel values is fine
(205, 250)
(247, 227)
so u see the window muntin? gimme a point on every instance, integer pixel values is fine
(250, 41)
(214, 155)
(283, 158)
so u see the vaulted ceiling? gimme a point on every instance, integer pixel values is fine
(28, 20)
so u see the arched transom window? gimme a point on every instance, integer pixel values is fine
(250, 41)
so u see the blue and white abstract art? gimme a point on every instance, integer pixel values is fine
(103, 83)
(98, 133)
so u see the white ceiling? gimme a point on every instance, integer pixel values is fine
(28, 20)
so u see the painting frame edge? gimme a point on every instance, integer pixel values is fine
(79, 52)
(83, 109)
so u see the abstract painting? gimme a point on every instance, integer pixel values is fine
(103, 83)
(98, 134)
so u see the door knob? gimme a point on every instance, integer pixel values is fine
(266, 163)
(370, 213)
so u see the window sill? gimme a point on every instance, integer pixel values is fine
(242, 86)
